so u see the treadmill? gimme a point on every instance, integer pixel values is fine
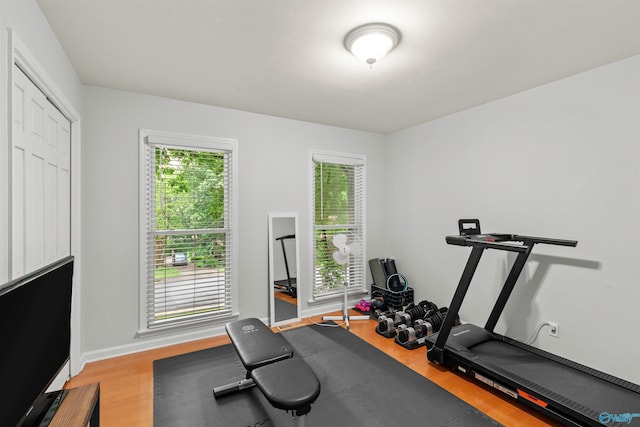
(567, 391)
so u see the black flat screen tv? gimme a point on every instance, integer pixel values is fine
(35, 339)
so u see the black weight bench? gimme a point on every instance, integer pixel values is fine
(285, 381)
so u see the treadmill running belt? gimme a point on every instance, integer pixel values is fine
(578, 390)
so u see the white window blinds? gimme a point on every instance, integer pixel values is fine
(188, 233)
(339, 208)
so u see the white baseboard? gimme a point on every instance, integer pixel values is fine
(322, 309)
(60, 379)
(145, 344)
(151, 343)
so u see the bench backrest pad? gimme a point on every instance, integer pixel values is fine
(256, 344)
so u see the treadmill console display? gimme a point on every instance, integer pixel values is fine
(469, 227)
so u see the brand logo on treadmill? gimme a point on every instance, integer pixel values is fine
(606, 418)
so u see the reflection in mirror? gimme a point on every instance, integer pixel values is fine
(284, 306)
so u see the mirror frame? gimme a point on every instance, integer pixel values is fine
(271, 248)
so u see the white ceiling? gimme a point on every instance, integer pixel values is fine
(286, 57)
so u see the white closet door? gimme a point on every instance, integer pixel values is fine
(40, 179)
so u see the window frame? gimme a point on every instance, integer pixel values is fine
(149, 137)
(315, 156)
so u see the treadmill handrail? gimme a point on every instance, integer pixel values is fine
(499, 241)
(288, 236)
(470, 241)
(546, 240)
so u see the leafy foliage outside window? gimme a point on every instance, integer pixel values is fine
(332, 191)
(188, 229)
(190, 192)
(337, 210)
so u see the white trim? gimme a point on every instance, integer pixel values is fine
(154, 344)
(180, 140)
(355, 294)
(337, 158)
(186, 326)
(27, 62)
(20, 55)
(318, 307)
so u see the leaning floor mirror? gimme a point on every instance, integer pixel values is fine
(284, 304)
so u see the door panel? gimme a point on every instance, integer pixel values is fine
(40, 187)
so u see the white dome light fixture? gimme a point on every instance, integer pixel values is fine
(371, 42)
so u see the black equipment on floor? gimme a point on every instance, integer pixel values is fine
(415, 335)
(411, 326)
(385, 275)
(285, 381)
(560, 388)
(289, 285)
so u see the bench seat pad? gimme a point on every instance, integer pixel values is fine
(256, 344)
(289, 385)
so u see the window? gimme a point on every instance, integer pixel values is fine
(186, 225)
(338, 208)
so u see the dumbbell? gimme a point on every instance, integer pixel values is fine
(408, 334)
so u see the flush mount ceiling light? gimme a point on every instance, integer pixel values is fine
(371, 42)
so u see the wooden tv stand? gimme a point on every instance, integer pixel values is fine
(79, 408)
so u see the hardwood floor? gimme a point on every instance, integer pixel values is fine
(126, 383)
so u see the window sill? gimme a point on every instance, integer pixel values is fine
(323, 299)
(185, 326)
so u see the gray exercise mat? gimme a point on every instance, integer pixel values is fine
(361, 386)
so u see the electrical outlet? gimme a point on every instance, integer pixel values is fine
(554, 329)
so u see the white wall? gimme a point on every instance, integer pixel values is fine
(274, 175)
(557, 161)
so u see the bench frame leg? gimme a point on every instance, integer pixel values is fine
(223, 390)
(300, 421)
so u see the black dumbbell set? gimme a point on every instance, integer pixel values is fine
(410, 327)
